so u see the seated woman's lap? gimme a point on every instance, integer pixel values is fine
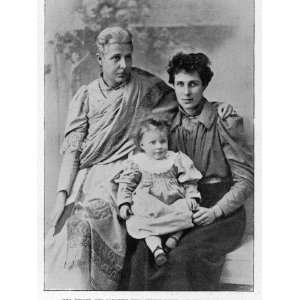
(94, 237)
(196, 263)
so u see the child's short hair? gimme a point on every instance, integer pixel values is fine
(149, 123)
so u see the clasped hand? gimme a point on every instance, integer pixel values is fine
(192, 204)
(125, 212)
(204, 216)
(225, 110)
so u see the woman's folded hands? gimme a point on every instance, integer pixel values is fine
(204, 216)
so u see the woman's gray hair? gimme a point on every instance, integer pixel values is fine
(113, 35)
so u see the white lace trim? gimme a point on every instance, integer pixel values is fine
(153, 165)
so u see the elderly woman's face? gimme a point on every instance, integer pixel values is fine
(116, 63)
(189, 90)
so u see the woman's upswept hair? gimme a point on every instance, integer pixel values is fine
(113, 35)
(190, 63)
(148, 123)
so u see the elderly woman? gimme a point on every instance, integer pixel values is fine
(218, 150)
(85, 249)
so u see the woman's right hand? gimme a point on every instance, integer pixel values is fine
(125, 212)
(58, 207)
(204, 216)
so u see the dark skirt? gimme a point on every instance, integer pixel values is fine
(196, 264)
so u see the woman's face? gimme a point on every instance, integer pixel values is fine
(189, 90)
(116, 63)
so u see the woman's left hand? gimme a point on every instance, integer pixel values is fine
(225, 110)
(58, 208)
(204, 216)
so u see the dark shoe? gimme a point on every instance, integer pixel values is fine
(171, 242)
(160, 256)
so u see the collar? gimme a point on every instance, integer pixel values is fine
(152, 165)
(206, 117)
(106, 88)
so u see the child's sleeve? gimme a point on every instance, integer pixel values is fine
(188, 175)
(127, 180)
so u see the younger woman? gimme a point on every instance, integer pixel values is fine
(157, 190)
(219, 150)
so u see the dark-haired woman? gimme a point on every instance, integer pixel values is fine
(218, 150)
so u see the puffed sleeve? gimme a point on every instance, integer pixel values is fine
(188, 175)
(240, 160)
(75, 132)
(128, 179)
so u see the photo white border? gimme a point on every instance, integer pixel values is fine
(203, 295)
(279, 116)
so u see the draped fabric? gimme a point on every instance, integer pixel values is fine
(106, 124)
(88, 248)
(87, 252)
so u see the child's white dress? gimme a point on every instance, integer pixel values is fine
(158, 191)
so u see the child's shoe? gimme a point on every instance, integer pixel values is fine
(160, 256)
(171, 242)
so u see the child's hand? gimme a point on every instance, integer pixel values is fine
(193, 204)
(125, 212)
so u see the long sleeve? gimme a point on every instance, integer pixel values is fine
(128, 180)
(188, 175)
(75, 132)
(240, 161)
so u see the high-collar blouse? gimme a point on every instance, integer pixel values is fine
(218, 149)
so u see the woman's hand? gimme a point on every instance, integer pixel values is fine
(204, 216)
(58, 208)
(125, 212)
(225, 110)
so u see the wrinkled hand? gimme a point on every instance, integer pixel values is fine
(125, 212)
(225, 110)
(58, 207)
(192, 204)
(204, 216)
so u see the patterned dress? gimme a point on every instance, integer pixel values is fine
(158, 191)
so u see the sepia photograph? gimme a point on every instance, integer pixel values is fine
(149, 139)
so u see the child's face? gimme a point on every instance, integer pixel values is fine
(155, 143)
